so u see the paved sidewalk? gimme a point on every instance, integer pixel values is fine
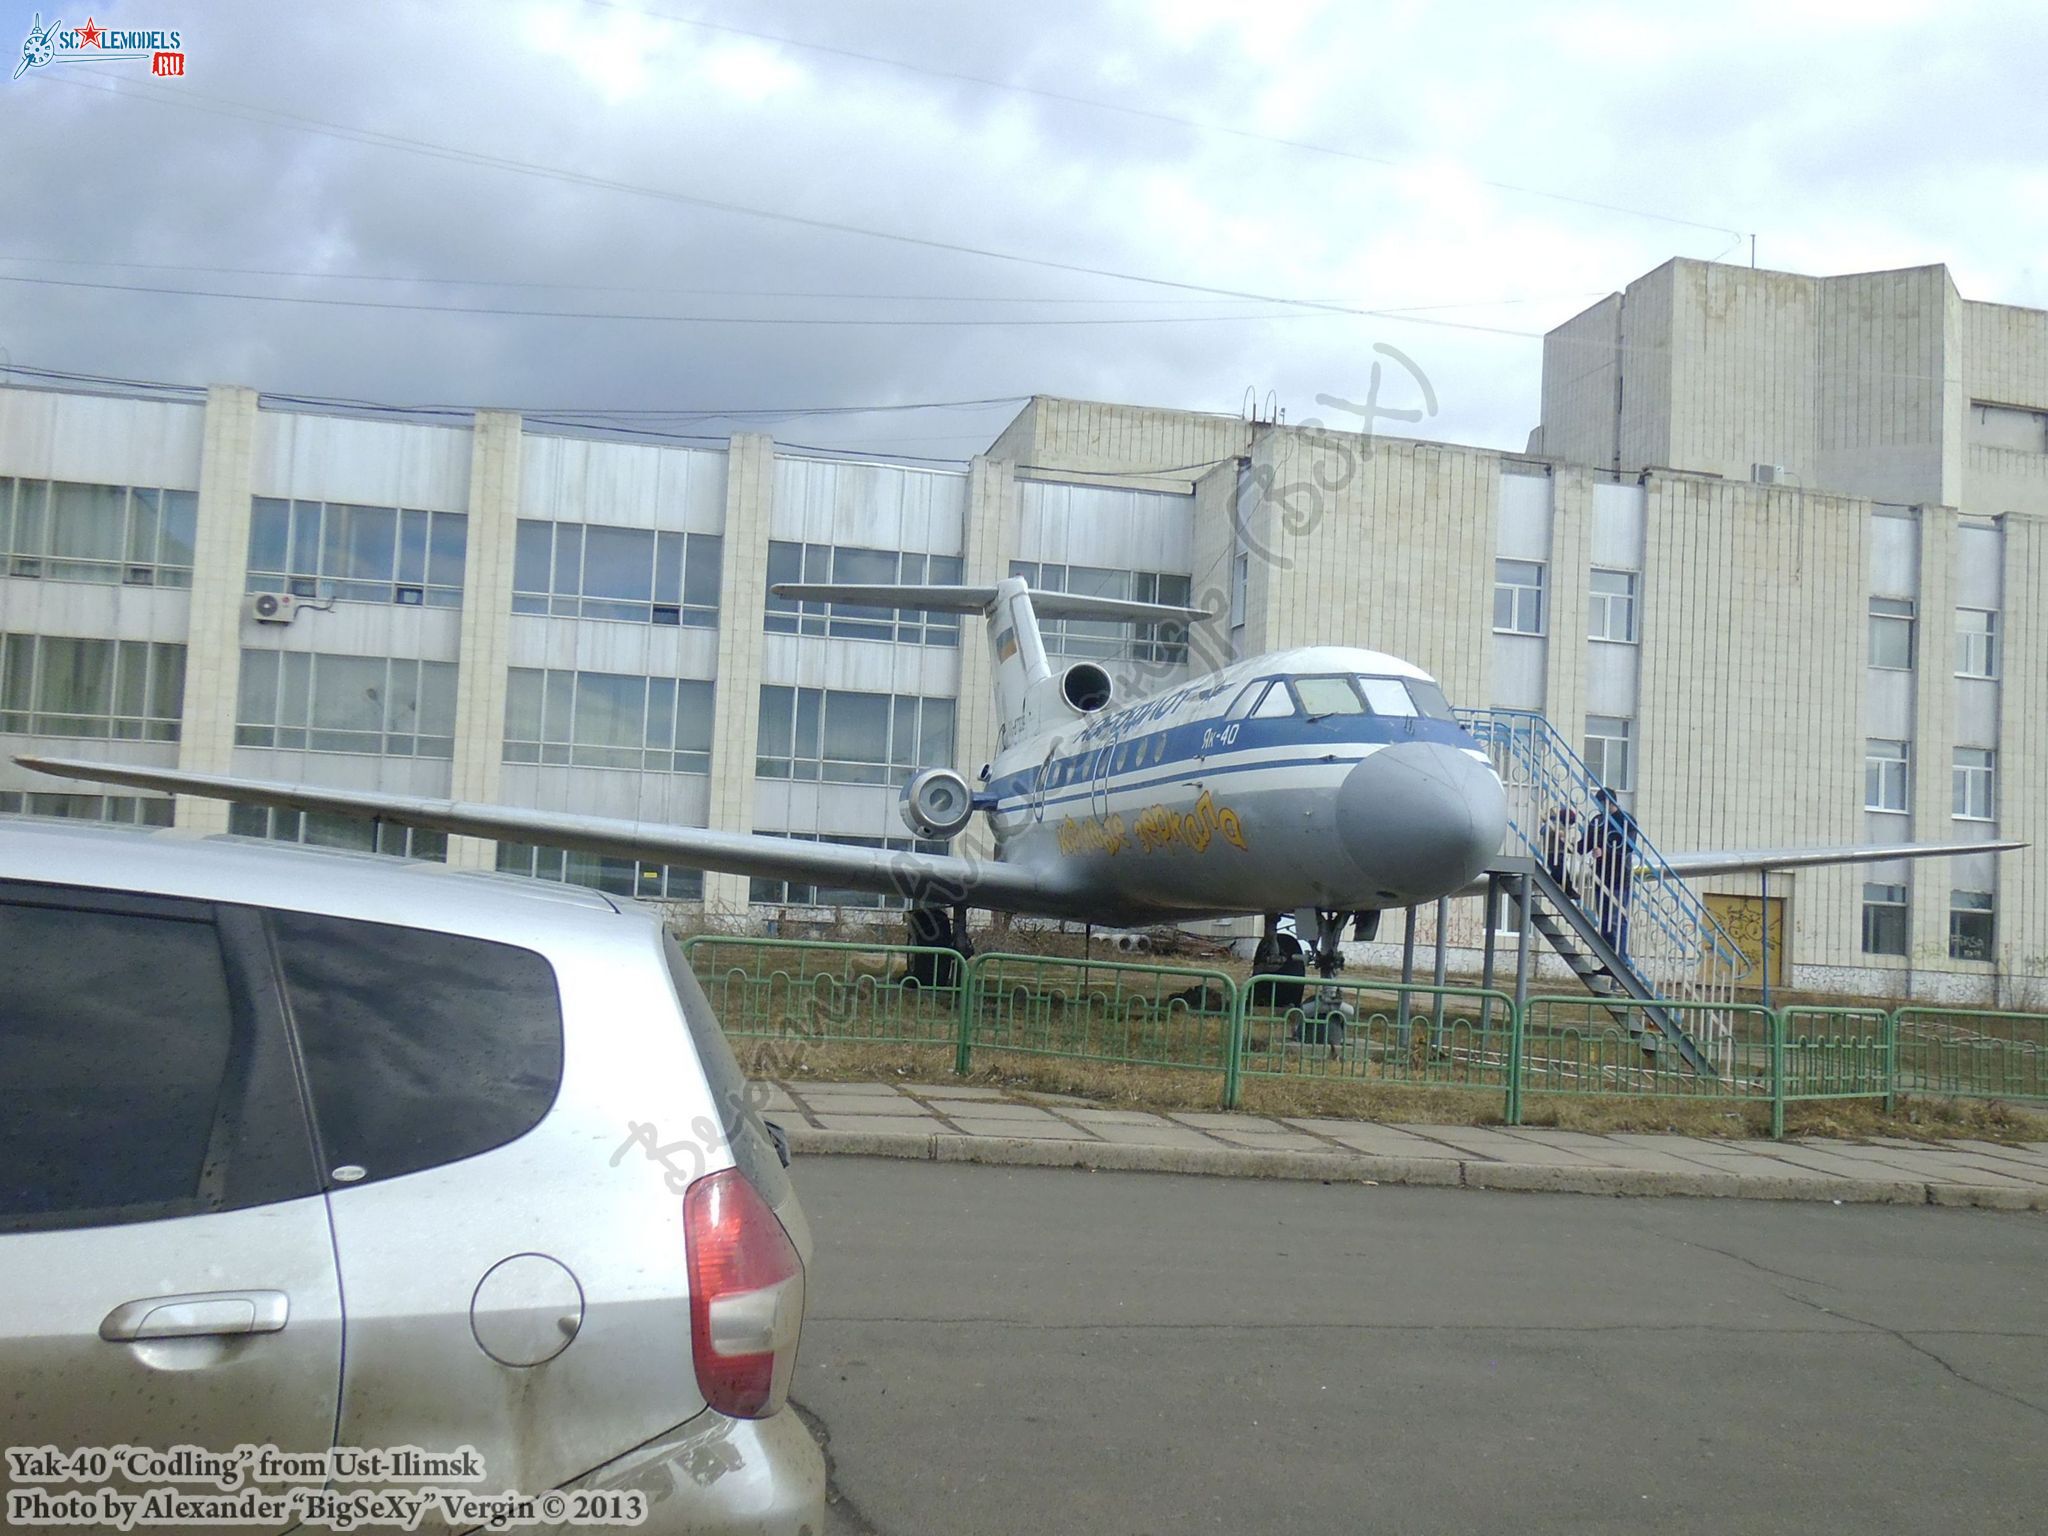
(964, 1123)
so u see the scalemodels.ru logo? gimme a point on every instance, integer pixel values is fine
(93, 44)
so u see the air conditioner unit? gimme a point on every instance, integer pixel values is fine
(1767, 474)
(273, 608)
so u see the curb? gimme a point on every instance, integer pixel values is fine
(1365, 1168)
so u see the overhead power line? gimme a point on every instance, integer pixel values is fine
(1097, 103)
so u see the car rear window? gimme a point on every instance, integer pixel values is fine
(420, 1048)
(753, 1150)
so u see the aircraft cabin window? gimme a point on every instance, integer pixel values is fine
(1278, 704)
(1322, 696)
(1387, 696)
(1243, 705)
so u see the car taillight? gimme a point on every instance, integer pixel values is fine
(746, 1296)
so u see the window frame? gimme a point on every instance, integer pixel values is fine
(1961, 916)
(1874, 913)
(808, 714)
(1628, 752)
(1515, 591)
(422, 563)
(1601, 606)
(1883, 767)
(144, 545)
(557, 699)
(680, 561)
(1969, 642)
(1895, 613)
(1972, 784)
(795, 560)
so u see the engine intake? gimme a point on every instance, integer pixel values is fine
(1086, 687)
(937, 803)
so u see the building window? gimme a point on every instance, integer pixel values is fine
(1885, 775)
(608, 720)
(383, 706)
(1891, 633)
(1111, 640)
(616, 877)
(841, 737)
(357, 554)
(1240, 583)
(791, 562)
(631, 575)
(790, 893)
(1609, 753)
(1971, 780)
(1614, 606)
(1518, 597)
(125, 810)
(1972, 925)
(1976, 642)
(1884, 919)
(118, 535)
(124, 690)
(328, 829)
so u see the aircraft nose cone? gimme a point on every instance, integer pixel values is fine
(1421, 818)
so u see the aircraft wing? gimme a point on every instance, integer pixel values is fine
(942, 879)
(1737, 860)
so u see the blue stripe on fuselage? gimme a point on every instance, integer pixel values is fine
(1182, 751)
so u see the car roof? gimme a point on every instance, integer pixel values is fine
(253, 872)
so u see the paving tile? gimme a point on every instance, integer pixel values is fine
(1812, 1160)
(2020, 1155)
(846, 1090)
(1093, 1117)
(866, 1108)
(1492, 1145)
(1224, 1120)
(1056, 1130)
(1544, 1136)
(954, 1091)
(1281, 1141)
(1949, 1169)
(1023, 1114)
(1380, 1140)
(775, 1099)
(907, 1125)
(1178, 1136)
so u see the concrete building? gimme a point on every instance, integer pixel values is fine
(1776, 560)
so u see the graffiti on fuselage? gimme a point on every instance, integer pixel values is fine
(1155, 828)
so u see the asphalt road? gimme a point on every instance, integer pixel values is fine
(1024, 1350)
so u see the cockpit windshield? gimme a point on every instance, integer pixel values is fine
(1430, 699)
(1322, 696)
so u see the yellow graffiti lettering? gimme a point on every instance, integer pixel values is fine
(1077, 837)
(1160, 826)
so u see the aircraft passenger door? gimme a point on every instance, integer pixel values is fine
(1040, 780)
(1098, 783)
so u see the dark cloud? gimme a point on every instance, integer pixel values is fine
(1844, 146)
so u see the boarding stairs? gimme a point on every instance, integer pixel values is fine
(1638, 934)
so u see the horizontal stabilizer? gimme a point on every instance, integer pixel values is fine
(1735, 861)
(941, 879)
(1049, 605)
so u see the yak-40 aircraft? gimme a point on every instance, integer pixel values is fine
(1326, 778)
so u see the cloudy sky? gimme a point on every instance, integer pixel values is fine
(683, 207)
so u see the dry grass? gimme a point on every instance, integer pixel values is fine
(1166, 1088)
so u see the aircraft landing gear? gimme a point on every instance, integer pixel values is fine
(1326, 1015)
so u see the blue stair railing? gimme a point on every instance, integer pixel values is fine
(1633, 927)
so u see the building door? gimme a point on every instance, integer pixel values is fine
(1743, 917)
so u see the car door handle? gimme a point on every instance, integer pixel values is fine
(193, 1316)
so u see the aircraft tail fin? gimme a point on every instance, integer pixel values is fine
(1016, 648)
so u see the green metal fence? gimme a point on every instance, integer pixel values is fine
(794, 992)
(1972, 1053)
(1384, 1032)
(1113, 1011)
(789, 993)
(1580, 1045)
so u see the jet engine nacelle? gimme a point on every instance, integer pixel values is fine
(1086, 688)
(937, 803)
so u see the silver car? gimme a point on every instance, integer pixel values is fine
(312, 1151)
